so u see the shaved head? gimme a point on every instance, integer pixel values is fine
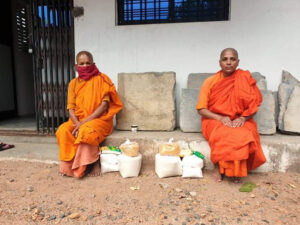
(88, 54)
(229, 50)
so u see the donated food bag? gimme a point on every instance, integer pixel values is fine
(169, 149)
(192, 161)
(167, 166)
(130, 166)
(109, 162)
(110, 149)
(189, 172)
(192, 166)
(185, 152)
(130, 148)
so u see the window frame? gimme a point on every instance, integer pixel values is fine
(120, 11)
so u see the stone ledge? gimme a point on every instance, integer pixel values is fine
(282, 151)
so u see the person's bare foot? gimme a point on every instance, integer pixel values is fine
(216, 174)
(95, 170)
(236, 180)
(61, 174)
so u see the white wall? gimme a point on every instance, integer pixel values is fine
(265, 32)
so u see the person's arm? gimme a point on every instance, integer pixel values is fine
(72, 116)
(211, 115)
(97, 113)
(72, 102)
(75, 121)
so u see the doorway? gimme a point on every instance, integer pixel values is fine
(16, 80)
(36, 61)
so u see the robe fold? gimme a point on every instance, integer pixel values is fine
(85, 97)
(237, 150)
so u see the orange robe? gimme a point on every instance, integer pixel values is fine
(85, 97)
(237, 150)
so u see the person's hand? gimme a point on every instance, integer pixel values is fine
(76, 129)
(226, 121)
(238, 122)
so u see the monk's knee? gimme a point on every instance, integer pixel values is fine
(64, 130)
(89, 135)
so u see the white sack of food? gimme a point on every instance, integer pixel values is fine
(130, 166)
(191, 172)
(192, 161)
(167, 166)
(109, 163)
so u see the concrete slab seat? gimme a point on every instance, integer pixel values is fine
(282, 151)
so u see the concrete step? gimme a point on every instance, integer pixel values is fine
(282, 151)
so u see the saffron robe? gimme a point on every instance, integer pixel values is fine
(235, 149)
(85, 97)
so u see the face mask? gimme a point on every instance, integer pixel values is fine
(86, 72)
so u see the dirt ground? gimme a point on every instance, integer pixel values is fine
(34, 193)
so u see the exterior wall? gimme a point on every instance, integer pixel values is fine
(265, 32)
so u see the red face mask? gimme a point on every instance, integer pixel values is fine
(86, 72)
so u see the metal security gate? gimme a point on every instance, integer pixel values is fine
(53, 60)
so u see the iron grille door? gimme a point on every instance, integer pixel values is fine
(53, 56)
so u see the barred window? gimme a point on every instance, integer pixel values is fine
(22, 27)
(171, 11)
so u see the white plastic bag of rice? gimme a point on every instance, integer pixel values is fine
(109, 163)
(192, 167)
(167, 166)
(192, 161)
(130, 166)
(189, 172)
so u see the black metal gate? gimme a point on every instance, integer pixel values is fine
(53, 56)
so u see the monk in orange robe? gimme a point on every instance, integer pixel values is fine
(92, 104)
(227, 102)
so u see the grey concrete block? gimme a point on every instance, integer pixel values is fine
(189, 119)
(275, 95)
(195, 80)
(265, 117)
(257, 76)
(292, 117)
(288, 78)
(260, 80)
(149, 101)
(284, 92)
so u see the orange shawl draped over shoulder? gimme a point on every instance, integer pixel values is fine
(234, 96)
(85, 97)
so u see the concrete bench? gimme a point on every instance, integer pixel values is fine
(282, 151)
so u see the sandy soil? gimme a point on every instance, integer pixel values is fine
(33, 193)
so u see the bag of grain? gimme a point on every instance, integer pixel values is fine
(130, 148)
(167, 166)
(192, 166)
(169, 149)
(130, 166)
(109, 162)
